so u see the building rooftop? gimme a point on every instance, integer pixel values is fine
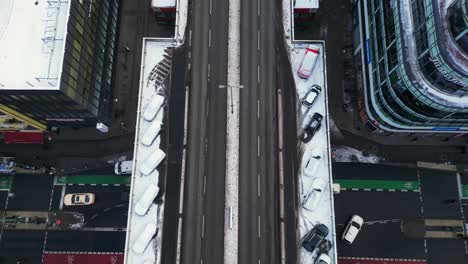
(306, 4)
(32, 35)
(163, 3)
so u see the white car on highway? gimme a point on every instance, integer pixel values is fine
(352, 229)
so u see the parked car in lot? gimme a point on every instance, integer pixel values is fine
(72, 199)
(311, 95)
(315, 237)
(312, 165)
(352, 229)
(123, 167)
(151, 162)
(151, 133)
(152, 108)
(308, 62)
(146, 200)
(312, 200)
(145, 237)
(312, 128)
(323, 259)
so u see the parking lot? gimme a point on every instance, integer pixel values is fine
(105, 221)
(389, 197)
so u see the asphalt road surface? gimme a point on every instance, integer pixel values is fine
(258, 197)
(203, 215)
(109, 210)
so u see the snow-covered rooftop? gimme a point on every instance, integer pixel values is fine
(153, 52)
(307, 4)
(32, 40)
(163, 3)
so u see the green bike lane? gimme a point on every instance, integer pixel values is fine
(5, 182)
(362, 176)
(93, 180)
(380, 185)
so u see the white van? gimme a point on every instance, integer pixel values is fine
(312, 200)
(123, 167)
(151, 133)
(312, 165)
(308, 62)
(146, 200)
(153, 107)
(144, 238)
(153, 161)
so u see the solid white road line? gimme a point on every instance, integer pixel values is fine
(258, 185)
(258, 73)
(259, 234)
(258, 146)
(258, 108)
(204, 184)
(258, 40)
(258, 8)
(64, 188)
(203, 227)
(209, 37)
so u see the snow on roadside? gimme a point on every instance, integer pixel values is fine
(181, 21)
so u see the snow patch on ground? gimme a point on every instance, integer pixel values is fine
(153, 51)
(348, 154)
(181, 21)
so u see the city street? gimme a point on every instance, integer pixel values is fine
(390, 199)
(259, 229)
(203, 207)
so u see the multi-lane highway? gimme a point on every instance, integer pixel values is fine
(259, 240)
(203, 209)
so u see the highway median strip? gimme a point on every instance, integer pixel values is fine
(378, 185)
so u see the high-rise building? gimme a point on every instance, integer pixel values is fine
(56, 60)
(412, 65)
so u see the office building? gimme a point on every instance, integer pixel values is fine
(56, 59)
(412, 65)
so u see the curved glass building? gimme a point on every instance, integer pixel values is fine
(413, 60)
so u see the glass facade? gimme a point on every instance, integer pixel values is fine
(458, 23)
(394, 97)
(85, 92)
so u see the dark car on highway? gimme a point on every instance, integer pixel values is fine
(312, 128)
(315, 237)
